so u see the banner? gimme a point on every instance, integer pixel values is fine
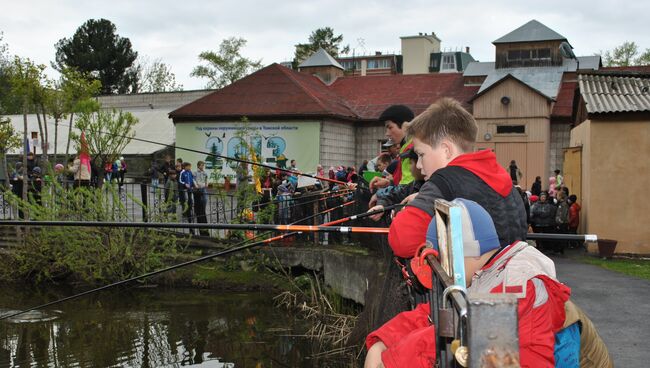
(275, 144)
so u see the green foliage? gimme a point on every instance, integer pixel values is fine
(156, 76)
(93, 255)
(8, 102)
(27, 81)
(632, 267)
(9, 138)
(626, 54)
(320, 38)
(77, 88)
(107, 132)
(99, 53)
(227, 65)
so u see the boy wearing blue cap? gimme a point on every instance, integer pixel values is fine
(408, 340)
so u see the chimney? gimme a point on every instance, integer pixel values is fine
(467, 49)
(377, 53)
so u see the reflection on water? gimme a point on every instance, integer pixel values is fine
(152, 328)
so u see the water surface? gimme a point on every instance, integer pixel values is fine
(152, 327)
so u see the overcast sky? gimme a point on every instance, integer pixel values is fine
(177, 31)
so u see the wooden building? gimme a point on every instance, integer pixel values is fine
(525, 99)
(608, 158)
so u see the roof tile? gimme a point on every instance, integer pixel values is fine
(276, 91)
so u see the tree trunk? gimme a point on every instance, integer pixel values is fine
(46, 138)
(25, 177)
(40, 130)
(67, 148)
(56, 138)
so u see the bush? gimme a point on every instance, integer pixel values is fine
(93, 255)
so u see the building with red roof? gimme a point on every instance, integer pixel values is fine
(338, 119)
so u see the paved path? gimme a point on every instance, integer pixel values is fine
(619, 306)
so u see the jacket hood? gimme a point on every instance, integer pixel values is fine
(484, 165)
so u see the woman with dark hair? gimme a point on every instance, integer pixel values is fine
(536, 189)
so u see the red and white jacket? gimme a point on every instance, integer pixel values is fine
(519, 269)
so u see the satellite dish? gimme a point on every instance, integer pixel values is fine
(567, 51)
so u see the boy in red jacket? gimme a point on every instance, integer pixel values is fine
(408, 340)
(443, 138)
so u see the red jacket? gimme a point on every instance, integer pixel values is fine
(409, 336)
(410, 225)
(574, 215)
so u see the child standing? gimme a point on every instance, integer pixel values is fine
(186, 186)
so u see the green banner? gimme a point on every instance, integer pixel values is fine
(275, 144)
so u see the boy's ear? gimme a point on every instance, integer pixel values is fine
(451, 150)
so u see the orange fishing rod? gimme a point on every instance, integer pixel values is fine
(181, 225)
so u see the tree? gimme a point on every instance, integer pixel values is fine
(227, 65)
(26, 80)
(107, 133)
(96, 51)
(9, 103)
(321, 38)
(9, 140)
(156, 76)
(78, 91)
(626, 54)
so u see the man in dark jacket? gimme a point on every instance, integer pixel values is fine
(542, 217)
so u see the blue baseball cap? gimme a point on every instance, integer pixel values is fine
(479, 233)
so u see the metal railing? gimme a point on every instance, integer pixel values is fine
(142, 202)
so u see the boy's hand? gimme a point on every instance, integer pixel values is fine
(408, 199)
(376, 217)
(373, 201)
(373, 358)
(378, 182)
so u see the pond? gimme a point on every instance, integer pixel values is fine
(153, 327)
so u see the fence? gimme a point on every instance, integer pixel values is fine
(141, 202)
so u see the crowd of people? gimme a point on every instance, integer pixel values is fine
(552, 210)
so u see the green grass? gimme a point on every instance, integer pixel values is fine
(632, 267)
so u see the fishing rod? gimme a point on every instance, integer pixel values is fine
(183, 264)
(219, 156)
(218, 226)
(591, 238)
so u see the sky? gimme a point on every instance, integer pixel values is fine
(177, 31)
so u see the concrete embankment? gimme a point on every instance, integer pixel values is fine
(346, 270)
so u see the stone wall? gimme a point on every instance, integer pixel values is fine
(560, 139)
(337, 143)
(368, 138)
(347, 274)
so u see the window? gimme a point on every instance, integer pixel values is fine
(525, 55)
(448, 62)
(383, 64)
(349, 64)
(511, 129)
